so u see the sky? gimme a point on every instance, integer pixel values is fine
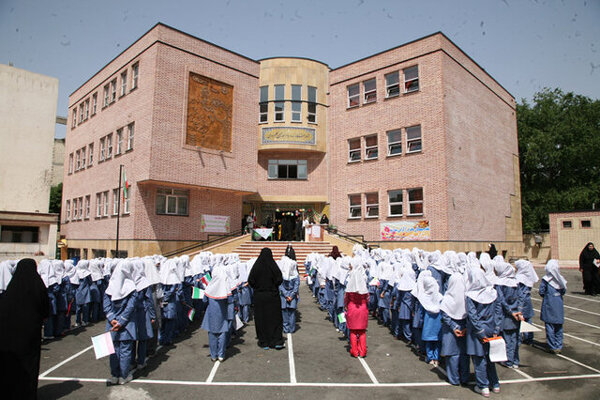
(526, 45)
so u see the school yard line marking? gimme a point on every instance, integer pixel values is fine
(582, 298)
(291, 358)
(572, 308)
(528, 377)
(571, 336)
(574, 320)
(369, 372)
(213, 372)
(578, 363)
(60, 364)
(317, 384)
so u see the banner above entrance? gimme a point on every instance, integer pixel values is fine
(289, 135)
(214, 223)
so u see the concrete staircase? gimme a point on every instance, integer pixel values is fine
(251, 249)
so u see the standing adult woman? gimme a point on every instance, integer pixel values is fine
(265, 279)
(589, 270)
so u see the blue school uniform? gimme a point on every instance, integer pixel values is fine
(123, 311)
(288, 309)
(245, 299)
(330, 298)
(144, 314)
(95, 300)
(339, 307)
(441, 277)
(454, 348)
(432, 326)
(405, 305)
(394, 322)
(525, 295)
(511, 303)
(51, 325)
(384, 303)
(169, 315)
(417, 324)
(83, 299)
(216, 322)
(483, 320)
(553, 314)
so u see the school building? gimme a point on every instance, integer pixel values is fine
(412, 146)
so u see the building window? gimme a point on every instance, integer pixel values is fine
(87, 206)
(394, 138)
(71, 163)
(413, 139)
(87, 109)
(296, 103)
(172, 201)
(353, 95)
(395, 203)
(81, 114)
(77, 160)
(370, 91)
(126, 196)
(94, 103)
(109, 145)
(567, 224)
(91, 154)
(83, 157)
(392, 84)
(279, 102)
(371, 150)
(130, 136)
(113, 90)
(411, 79)
(102, 149)
(312, 105)
(264, 104)
(119, 141)
(123, 83)
(372, 205)
(415, 201)
(354, 150)
(288, 169)
(68, 210)
(80, 212)
(135, 70)
(19, 234)
(105, 203)
(74, 118)
(99, 206)
(586, 223)
(105, 96)
(115, 201)
(355, 205)
(75, 209)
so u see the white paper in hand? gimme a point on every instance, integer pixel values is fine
(527, 327)
(103, 345)
(498, 350)
(238, 322)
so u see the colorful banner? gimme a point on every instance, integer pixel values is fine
(289, 135)
(214, 223)
(406, 230)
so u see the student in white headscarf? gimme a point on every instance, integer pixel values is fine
(215, 320)
(552, 289)
(404, 301)
(488, 266)
(52, 325)
(428, 294)
(145, 314)
(5, 276)
(171, 287)
(288, 293)
(96, 289)
(119, 306)
(526, 278)
(82, 295)
(454, 330)
(356, 297)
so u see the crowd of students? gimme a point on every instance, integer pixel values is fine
(445, 305)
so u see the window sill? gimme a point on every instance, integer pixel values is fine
(411, 92)
(354, 161)
(296, 122)
(414, 215)
(393, 155)
(287, 179)
(263, 122)
(395, 216)
(372, 217)
(396, 96)
(312, 123)
(173, 215)
(354, 218)
(372, 159)
(366, 103)
(352, 107)
(133, 89)
(414, 152)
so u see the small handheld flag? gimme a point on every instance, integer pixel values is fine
(206, 279)
(103, 345)
(197, 293)
(191, 314)
(342, 317)
(374, 282)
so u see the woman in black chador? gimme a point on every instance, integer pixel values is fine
(492, 251)
(23, 307)
(589, 270)
(265, 278)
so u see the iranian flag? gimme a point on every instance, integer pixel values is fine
(206, 279)
(191, 314)
(126, 186)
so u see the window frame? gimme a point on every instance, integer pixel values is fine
(391, 86)
(67, 210)
(589, 223)
(355, 206)
(411, 202)
(276, 163)
(395, 144)
(74, 118)
(90, 154)
(130, 135)
(564, 226)
(106, 96)
(105, 203)
(74, 213)
(70, 163)
(126, 197)
(135, 74)
(80, 212)
(357, 150)
(99, 206)
(123, 83)
(172, 195)
(115, 202)
(109, 146)
(87, 206)
(77, 160)
(119, 144)
(296, 103)
(113, 91)
(410, 141)
(263, 105)
(353, 97)
(371, 92)
(371, 147)
(395, 203)
(81, 108)
(410, 81)
(94, 103)
(368, 205)
(279, 102)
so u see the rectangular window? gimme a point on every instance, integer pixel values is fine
(355, 205)
(119, 141)
(288, 169)
(264, 104)
(394, 138)
(113, 90)
(371, 150)
(392, 84)
(80, 212)
(106, 96)
(130, 136)
(83, 159)
(353, 95)
(91, 154)
(123, 83)
(87, 109)
(372, 205)
(172, 201)
(87, 206)
(19, 234)
(81, 114)
(99, 206)
(105, 203)
(68, 210)
(297, 103)
(135, 70)
(586, 223)
(102, 149)
(354, 150)
(77, 160)
(94, 103)
(279, 102)
(74, 209)
(126, 197)
(312, 105)
(395, 203)
(74, 118)
(411, 79)
(567, 224)
(115, 201)
(415, 201)
(109, 145)
(71, 163)
(370, 91)
(413, 139)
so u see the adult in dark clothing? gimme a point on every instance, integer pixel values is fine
(589, 270)
(298, 228)
(289, 252)
(335, 253)
(265, 278)
(23, 307)
(492, 251)
(324, 219)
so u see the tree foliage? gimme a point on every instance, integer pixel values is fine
(559, 151)
(55, 199)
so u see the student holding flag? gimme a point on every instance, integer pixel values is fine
(215, 317)
(288, 292)
(145, 314)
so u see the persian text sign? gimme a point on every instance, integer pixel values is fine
(289, 135)
(405, 230)
(214, 223)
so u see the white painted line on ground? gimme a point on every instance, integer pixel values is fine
(572, 308)
(523, 374)
(317, 384)
(60, 364)
(571, 336)
(578, 363)
(213, 372)
(369, 372)
(574, 320)
(582, 298)
(290, 346)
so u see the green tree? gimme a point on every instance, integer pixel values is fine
(55, 199)
(559, 151)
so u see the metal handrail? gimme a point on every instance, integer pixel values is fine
(347, 236)
(204, 243)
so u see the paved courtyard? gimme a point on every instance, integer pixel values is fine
(316, 364)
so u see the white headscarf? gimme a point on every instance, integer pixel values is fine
(71, 272)
(428, 292)
(526, 273)
(168, 273)
(218, 288)
(47, 273)
(83, 270)
(357, 278)
(59, 270)
(139, 275)
(505, 271)
(407, 281)
(488, 266)
(553, 276)
(151, 271)
(473, 262)
(453, 302)
(386, 271)
(343, 267)
(95, 267)
(288, 268)
(479, 288)
(121, 282)
(5, 275)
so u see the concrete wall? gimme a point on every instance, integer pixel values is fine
(58, 161)
(567, 243)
